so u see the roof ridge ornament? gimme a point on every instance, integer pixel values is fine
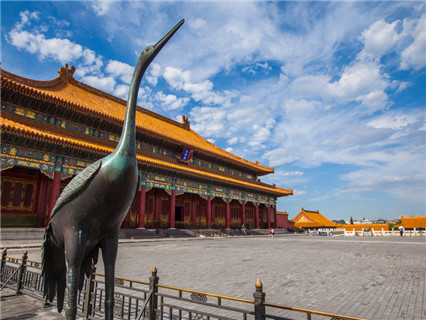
(67, 74)
(186, 123)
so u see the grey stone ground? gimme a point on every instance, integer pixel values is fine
(373, 278)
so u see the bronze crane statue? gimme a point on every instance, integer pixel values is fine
(89, 212)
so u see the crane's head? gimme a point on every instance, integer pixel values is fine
(150, 52)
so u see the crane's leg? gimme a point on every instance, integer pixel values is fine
(109, 254)
(74, 246)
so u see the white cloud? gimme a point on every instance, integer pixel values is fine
(399, 177)
(233, 140)
(291, 173)
(394, 120)
(407, 38)
(61, 50)
(208, 121)
(414, 56)
(101, 7)
(153, 73)
(122, 91)
(120, 70)
(197, 23)
(26, 17)
(362, 81)
(170, 101)
(260, 136)
(106, 83)
(299, 193)
(379, 38)
(199, 91)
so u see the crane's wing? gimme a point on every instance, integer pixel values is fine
(77, 185)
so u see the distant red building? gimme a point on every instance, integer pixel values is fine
(283, 222)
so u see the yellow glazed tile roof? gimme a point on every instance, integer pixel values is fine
(8, 125)
(312, 219)
(413, 222)
(66, 90)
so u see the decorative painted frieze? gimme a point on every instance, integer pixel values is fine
(68, 166)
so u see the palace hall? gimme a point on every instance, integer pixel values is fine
(52, 130)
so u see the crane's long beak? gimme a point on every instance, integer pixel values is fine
(160, 44)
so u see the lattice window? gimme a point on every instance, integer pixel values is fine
(17, 194)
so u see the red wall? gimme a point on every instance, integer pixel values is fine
(283, 222)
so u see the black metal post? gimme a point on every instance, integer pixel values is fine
(259, 299)
(21, 272)
(153, 282)
(3, 261)
(90, 291)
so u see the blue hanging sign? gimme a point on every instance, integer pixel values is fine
(186, 155)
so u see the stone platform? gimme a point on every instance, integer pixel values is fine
(367, 277)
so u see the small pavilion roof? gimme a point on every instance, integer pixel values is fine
(312, 219)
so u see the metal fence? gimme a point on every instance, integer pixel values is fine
(152, 300)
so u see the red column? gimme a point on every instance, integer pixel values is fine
(275, 216)
(173, 209)
(268, 218)
(213, 212)
(41, 203)
(256, 215)
(193, 209)
(243, 213)
(157, 214)
(56, 189)
(209, 212)
(228, 214)
(141, 209)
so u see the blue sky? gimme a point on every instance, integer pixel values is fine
(331, 94)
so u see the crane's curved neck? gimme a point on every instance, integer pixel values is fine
(127, 143)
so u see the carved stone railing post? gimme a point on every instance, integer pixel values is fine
(259, 299)
(21, 272)
(3, 261)
(153, 282)
(90, 293)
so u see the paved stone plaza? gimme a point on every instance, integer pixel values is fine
(373, 278)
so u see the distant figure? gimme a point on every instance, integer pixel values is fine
(401, 230)
(271, 233)
(243, 229)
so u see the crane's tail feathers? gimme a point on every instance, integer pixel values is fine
(48, 278)
(53, 285)
(60, 288)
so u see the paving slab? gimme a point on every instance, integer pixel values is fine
(14, 307)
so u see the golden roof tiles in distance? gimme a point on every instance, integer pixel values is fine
(312, 219)
(67, 91)
(413, 222)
